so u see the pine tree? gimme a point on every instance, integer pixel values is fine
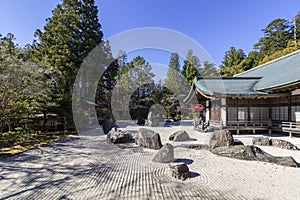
(276, 36)
(68, 37)
(231, 62)
(174, 78)
(191, 67)
(209, 69)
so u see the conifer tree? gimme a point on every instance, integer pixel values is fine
(68, 37)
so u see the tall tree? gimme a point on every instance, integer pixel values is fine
(136, 75)
(296, 27)
(230, 63)
(276, 36)
(25, 87)
(68, 37)
(70, 34)
(135, 86)
(173, 73)
(252, 60)
(191, 67)
(209, 69)
(175, 81)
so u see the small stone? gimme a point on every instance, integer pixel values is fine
(180, 136)
(165, 154)
(180, 170)
(118, 136)
(262, 141)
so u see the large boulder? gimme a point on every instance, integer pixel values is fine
(180, 136)
(148, 138)
(165, 154)
(222, 138)
(118, 136)
(262, 141)
(180, 170)
(152, 120)
(251, 152)
(283, 144)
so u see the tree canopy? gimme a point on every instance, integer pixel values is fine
(280, 37)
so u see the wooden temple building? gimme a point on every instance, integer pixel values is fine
(265, 98)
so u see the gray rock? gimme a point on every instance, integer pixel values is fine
(283, 144)
(196, 122)
(210, 129)
(180, 136)
(262, 141)
(148, 138)
(180, 170)
(152, 120)
(222, 138)
(253, 153)
(192, 146)
(165, 154)
(118, 136)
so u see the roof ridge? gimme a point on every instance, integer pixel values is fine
(226, 78)
(269, 63)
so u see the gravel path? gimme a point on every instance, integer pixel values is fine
(86, 167)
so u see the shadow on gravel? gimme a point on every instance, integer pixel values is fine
(184, 160)
(45, 170)
(194, 174)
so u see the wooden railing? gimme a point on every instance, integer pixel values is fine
(214, 123)
(242, 125)
(289, 127)
(281, 126)
(247, 125)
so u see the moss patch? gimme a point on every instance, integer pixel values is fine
(12, 143)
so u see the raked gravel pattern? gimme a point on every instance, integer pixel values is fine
(86, 167)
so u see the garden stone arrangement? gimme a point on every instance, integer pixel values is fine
(265, 141)
(222, 143)
(113, 166)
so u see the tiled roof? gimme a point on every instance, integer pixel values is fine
(254, 82)
(279, 72)
(232, 86)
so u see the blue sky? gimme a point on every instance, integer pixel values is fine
(215, 24)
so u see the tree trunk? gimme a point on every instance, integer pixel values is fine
(65, 121)
(44, 119)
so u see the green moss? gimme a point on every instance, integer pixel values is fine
(12, 143)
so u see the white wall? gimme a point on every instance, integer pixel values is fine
(223, 109)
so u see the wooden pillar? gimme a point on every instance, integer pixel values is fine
(223, 111)
(270, 125)
(207, 110)
(270, 119)
(289, 108)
